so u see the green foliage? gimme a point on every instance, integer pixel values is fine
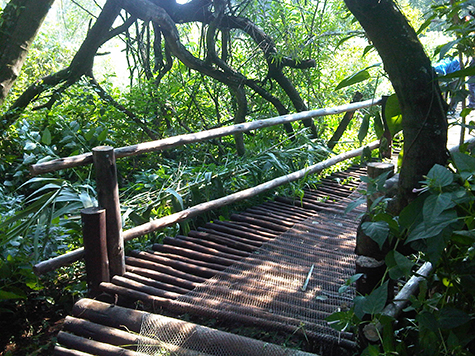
(439, 228)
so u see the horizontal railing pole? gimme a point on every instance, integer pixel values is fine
(175, 141)
(169, 220)
(59, 261)
(244, 194)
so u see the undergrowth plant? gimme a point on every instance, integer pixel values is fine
(439, 227)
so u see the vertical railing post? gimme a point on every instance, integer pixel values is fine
(95, 248)
(108, 196)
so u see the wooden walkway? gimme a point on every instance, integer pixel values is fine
(277, 266)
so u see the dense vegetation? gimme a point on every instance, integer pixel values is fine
(149, 94)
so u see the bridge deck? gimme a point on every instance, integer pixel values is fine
(277, 266)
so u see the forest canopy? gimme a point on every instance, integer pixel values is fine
(76, 74)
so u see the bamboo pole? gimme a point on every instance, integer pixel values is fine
(171, 142)
(373, 331)
(108, 197)
(245, 194)
(204, 207)
(95, 247)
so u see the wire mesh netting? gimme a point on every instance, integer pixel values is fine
(291, 283)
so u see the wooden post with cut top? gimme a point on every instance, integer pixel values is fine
(95, 248)
(108, 196)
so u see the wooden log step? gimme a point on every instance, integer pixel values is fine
(141, 287)
(299, 203)
(277, 206)
(222, 240)
(150, 301)
(162, 277)
(334, 191)
(182, 258)
(289, 217)
(62, 351)
(212, 261)
(258, 222)
(191, 268)
(155, 283)
(285, 223)
(228, 236)
(133, 261)
(116, 316)
(93, 347)
(326, 196)
(248, 232)
(228, 252)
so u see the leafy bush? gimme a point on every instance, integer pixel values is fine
(439, 228)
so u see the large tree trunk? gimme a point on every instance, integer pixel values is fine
(21, 21)
(410, 71)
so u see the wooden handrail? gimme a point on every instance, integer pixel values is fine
(175, 141)
(169, 220)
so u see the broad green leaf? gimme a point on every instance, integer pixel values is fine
(4, 295)
(46, 137)
(433, 228)
(450, 317)
(439, 177)
(465, 164)
(398, 264)
(444, 49)
(427, 320)
(363, 128)
(375, 302)
(177, 200)
(378, 125)
(412, 213)
(371, 350)
(103, 135)
(435, 205)
(354, 204)
(378, 231)
(393, 115)
(357, 77)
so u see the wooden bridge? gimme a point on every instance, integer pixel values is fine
(277, 266)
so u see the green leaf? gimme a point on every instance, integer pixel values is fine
(393, 115)
(428, 321)
(46, 137)
(435, 205)
(378, 125)
(375, 302)
(398, 264)
(177, 200)
(363, 128)
(411, 215)
(444, 49)
(450, 317)
(103, 135)
(371, 350)
(438, 177)
(465, 164)
(357, 77)
(378, 231)
(4, 295)
(425, 230)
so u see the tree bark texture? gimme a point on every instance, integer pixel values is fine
(21, 21)
(410, 71)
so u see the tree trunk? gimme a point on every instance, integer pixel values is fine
(21, 21)
(410, 71)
